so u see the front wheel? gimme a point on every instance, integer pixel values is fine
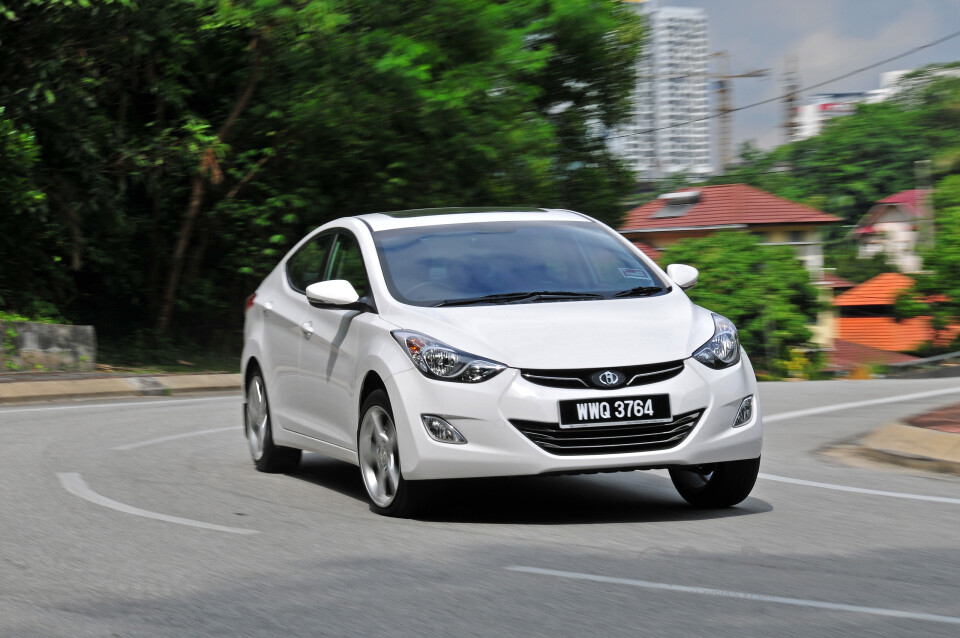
(379, 456)
(716, 485)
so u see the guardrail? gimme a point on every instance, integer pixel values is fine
(923, 368)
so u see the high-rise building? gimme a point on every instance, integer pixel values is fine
(670, 130)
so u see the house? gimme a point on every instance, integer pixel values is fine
(846, 356)
(892, 226)
(866, 317)
(825, 329)
(649, 250)
(698, 212)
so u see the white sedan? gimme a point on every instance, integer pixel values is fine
(454, 343)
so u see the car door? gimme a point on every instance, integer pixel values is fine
(285, 309)
(328, 355)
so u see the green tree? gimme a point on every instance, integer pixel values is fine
(843, 255)
(764, 290)
(179, 156)
(937, 290)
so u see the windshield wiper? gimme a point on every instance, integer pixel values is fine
(639, 291)
(509, 297)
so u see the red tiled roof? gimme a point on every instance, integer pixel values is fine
(649, 250)
(879, 291)
(846, 355)
(910, 200)
(725, 205)
(837, 283)
(886, 333)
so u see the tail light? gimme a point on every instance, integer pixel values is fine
(249, 302)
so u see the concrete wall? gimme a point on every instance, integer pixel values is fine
(46, 346)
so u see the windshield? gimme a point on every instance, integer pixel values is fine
(510, 262)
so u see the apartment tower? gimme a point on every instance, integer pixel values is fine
(670, 130)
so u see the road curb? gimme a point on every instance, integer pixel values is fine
(53, 390)
(915, 447)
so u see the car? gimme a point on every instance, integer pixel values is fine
(460, 343)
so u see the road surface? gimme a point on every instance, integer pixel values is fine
(146, 518)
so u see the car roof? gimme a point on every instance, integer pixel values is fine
(464, 215)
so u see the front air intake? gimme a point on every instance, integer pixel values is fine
(619, 439)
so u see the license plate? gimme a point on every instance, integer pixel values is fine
(654, 408)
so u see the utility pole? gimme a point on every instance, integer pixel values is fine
(724, 106)
(791, 100)
(921, 171)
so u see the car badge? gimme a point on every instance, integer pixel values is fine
(608, 379)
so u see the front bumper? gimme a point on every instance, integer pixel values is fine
(483, 412)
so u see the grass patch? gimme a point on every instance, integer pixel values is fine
(149, 355)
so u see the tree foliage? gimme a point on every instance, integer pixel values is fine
(843, 256)
(937, 290)
(174, 150)
(764, 290)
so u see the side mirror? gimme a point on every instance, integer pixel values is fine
(683, 275)
(335, 292)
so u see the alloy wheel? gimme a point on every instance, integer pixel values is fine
(379, 458)
(257, 417)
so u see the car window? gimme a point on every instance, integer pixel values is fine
(307, 264)
(346, 262)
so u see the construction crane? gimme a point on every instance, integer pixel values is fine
(724, 105)
(791, 99)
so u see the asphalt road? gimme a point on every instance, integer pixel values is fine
(146, 518)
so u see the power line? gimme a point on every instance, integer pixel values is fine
(806, 88)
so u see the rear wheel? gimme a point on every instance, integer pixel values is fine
(379, 456)
(267, 456)
(716, 485)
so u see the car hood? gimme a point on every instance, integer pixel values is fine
(568, 334)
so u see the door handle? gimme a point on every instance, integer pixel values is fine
(307, 327)
(267, 307)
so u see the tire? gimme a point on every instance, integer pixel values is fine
(716, 485)
(379, 455)
(267, 456)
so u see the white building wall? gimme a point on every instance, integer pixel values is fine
(672, 89)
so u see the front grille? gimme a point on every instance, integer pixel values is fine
(635, 375)
(616, 439)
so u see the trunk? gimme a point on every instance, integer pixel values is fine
(156, 199)
(198, 189)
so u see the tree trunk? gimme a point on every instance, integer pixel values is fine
(198, 189)
(156, 202)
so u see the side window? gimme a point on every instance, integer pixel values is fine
(346, 262)
(307, 265)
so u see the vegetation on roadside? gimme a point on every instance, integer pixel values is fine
(764, 290)
(156, 158)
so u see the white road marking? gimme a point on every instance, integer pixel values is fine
(796, 602)
(783, 416)
(859, 490)
(141, 404)
(75, 484)
(174, 437)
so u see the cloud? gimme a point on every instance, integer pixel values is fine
(826, 52)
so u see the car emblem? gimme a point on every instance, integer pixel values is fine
(608, 379)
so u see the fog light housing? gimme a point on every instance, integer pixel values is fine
(440, 430)
(745, 413)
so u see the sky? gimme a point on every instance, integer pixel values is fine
(828, 38)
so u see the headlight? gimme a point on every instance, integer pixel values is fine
(437, 360)
(723, 349)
